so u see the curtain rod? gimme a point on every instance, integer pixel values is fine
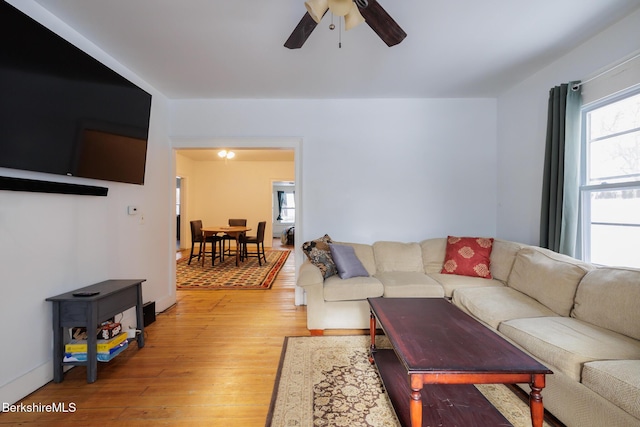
(577, 85)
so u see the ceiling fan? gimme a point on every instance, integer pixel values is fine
(369, 10)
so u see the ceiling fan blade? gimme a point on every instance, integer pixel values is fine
(301, 33)
(383, 24)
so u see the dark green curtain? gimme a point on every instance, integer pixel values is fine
(281, 201)
(559, 216)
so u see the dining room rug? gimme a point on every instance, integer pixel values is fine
(328, 381)
(248, 275)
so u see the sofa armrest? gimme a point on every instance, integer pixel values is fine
(309, 275)
(311, 280)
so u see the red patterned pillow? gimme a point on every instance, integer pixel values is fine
(468, 256)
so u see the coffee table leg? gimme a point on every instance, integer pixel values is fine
(372, 333)
(415, 407)
(535, 400)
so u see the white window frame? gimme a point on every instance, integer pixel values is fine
(585, 188)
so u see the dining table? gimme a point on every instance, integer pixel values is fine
(234, 231)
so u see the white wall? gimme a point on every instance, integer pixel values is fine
(54, 243)
(522, 121)
(403, 169)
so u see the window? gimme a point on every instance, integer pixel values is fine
(610, 187)
(287, 205)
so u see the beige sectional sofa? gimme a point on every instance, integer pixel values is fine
(582, 321)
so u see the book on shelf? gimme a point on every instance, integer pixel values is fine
(80, 346)
(102, 356)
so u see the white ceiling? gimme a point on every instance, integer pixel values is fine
(234, 48)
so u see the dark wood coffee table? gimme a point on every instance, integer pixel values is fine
(438, 345)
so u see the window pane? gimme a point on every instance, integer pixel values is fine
(615, 246)
(620, 206)
(614, 118)
(288, 215)
(290, 200)
(615, 159)
(615, 227)
(178, 201)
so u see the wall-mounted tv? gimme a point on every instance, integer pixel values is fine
(62, 111)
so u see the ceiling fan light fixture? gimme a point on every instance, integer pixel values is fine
(353, 18)
(317, 8)
(373, 13)
(340, 7)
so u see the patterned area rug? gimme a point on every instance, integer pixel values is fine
(249, 275)
(328, 381)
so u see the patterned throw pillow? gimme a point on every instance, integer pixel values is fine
(319, 254)
(468, 256)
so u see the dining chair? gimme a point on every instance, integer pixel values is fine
(227, 238)
(257, 240)
(196, 237)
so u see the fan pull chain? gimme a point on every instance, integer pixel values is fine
(333, 27)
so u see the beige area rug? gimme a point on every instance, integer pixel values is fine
(328, 381)
(248, 275)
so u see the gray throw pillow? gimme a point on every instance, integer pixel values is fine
(346, 261)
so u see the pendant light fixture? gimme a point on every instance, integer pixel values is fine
(224, 154)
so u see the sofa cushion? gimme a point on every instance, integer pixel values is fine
(468, 256)
(397, 256)
(547, 276)
(494, 305)
(399, 284)
(568, 343)
(609, 297)
(353, 289)
(317, 251)
(347, 262)
(618, 381)
(503, 256)
(451, 282)
(433, 251)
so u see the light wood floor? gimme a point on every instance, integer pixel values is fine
(210, 360)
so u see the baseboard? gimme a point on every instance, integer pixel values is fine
(26, 384)
(163, 304)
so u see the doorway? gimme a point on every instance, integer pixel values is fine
(213, 145)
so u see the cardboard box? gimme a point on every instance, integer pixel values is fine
(105, 331)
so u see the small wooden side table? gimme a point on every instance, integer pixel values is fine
(113, 297)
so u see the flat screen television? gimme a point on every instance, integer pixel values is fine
(62, 111)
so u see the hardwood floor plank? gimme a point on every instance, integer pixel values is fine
(209, 360)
